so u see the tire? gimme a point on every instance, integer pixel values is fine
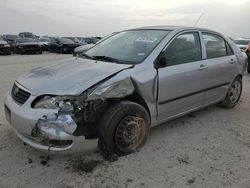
(233, 94)
(123, 129)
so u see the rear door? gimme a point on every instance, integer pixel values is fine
(221, 66)
(181, 82)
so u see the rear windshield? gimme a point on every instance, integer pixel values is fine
(66, 41)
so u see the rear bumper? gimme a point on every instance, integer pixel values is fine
(45, 129)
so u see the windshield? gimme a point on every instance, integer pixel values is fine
(129, 47)
(242, 42)
(22, 40)
(11, 37)
(74, 39)
(66, 41)
(1, 38)
(44, 40)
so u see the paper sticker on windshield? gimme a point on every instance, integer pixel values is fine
(141, 54)
(145, 39)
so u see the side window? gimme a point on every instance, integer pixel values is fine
(215, 45)
(184, 49)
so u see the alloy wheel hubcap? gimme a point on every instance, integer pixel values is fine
(235, 91)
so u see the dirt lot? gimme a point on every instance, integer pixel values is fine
(209, 148)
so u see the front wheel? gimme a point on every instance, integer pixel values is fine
(123, 129)
(233, 94)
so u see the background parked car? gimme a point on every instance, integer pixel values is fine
(85, 47)
(45, 42)
(27, 35)
(5, 48)
(27, 45)
(242, 43)
(11, 40)
(82, 49)
(62, 45)
(74, 39)
(89, 40)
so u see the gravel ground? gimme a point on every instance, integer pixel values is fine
(208, 148)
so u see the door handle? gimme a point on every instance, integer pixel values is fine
(203, 67)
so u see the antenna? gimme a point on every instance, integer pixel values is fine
(197, 21)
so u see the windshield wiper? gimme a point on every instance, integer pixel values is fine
(106, 58)
(87, 56)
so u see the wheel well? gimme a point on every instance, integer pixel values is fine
(135, 97)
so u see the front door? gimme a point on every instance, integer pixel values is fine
(181, 84)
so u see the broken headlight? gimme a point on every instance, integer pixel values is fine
(64, 103)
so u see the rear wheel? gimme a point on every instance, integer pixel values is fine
(123, 129)
(233, 94)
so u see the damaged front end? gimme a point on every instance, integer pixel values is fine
(77, 115)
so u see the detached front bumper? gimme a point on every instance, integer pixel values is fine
(44, 129)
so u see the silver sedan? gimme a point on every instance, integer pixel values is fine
(123, 86)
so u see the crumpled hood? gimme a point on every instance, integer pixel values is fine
(68, 77)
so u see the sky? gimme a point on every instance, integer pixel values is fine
(102, 17)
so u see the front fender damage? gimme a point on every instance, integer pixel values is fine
(113, 89)
(83, 118)
(98, 101)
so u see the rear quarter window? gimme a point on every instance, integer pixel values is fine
(215, 46)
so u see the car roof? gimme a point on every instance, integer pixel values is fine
(172, 28)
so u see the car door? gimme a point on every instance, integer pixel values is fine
(57, 45)
(181, 85)
(221, 66)
(52, 45)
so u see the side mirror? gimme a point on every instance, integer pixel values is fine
(160, 62)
